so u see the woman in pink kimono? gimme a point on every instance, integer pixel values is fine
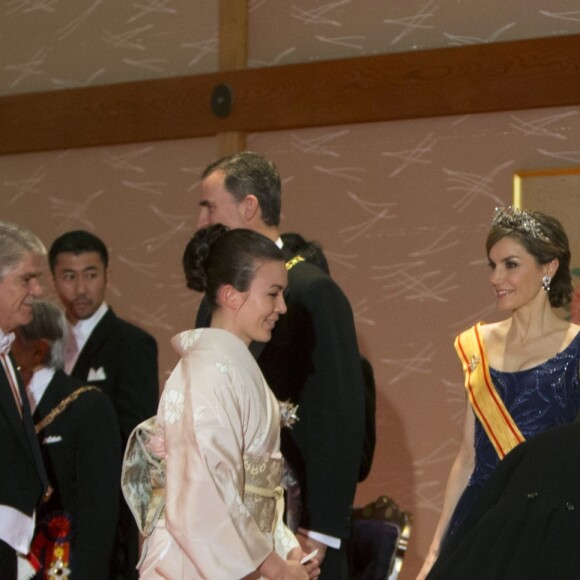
(203, 477)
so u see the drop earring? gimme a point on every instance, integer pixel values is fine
(546, 283)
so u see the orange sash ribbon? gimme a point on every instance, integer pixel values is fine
(499, 425)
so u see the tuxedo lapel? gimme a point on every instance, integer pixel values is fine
(98, 337)
(23, 427)
(51, 397)
(8, 406)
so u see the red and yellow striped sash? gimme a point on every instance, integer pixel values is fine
(484, 399)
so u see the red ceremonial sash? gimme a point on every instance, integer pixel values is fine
(483, 397)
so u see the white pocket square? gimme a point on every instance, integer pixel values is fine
(97, 375)
(52, 439)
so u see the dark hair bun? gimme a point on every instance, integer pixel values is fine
(196, 255)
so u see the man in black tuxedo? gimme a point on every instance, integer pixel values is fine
(22, 476)
(108, 352)
(312, 252)
(81, 446)
(311, 360)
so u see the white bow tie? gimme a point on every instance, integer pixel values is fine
(6, 343)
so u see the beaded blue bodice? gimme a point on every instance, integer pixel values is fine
(538, 399)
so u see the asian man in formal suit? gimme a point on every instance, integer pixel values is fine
(23, 480)
(311, 360)
(108, 352)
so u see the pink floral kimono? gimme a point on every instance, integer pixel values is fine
(209, 493)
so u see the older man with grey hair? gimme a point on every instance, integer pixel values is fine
(23, 479)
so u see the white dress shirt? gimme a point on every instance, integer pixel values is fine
(82, 331)
(37, 386)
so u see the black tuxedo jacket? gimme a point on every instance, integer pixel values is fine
(126, 356)
(22, 476)
(313, 360)
(82, 454)
(523, 524)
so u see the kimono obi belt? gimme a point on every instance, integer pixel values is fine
(262, 489)
(143, 482)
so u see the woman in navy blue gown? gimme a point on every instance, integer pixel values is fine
(522, 373)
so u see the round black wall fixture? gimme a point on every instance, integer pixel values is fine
(221, 100)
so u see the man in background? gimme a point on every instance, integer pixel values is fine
(22, 476)
(312, 252)
(80, 441)
(108, 352)
(312, 360)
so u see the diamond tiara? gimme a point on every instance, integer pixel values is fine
(521, 220)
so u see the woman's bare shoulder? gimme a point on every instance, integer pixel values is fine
(495, 330)
(573, 330)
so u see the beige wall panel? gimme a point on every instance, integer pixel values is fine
(54, 44)
(290, 31)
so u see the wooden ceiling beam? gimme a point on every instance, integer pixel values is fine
(521, 74)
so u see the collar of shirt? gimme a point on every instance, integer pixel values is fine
(279, 243)
(37, 386)
(6, 341)
(83, 328)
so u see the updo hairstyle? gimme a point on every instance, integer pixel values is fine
(216, 256)
(544, 238)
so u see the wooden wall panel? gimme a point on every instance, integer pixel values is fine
(512, 75)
